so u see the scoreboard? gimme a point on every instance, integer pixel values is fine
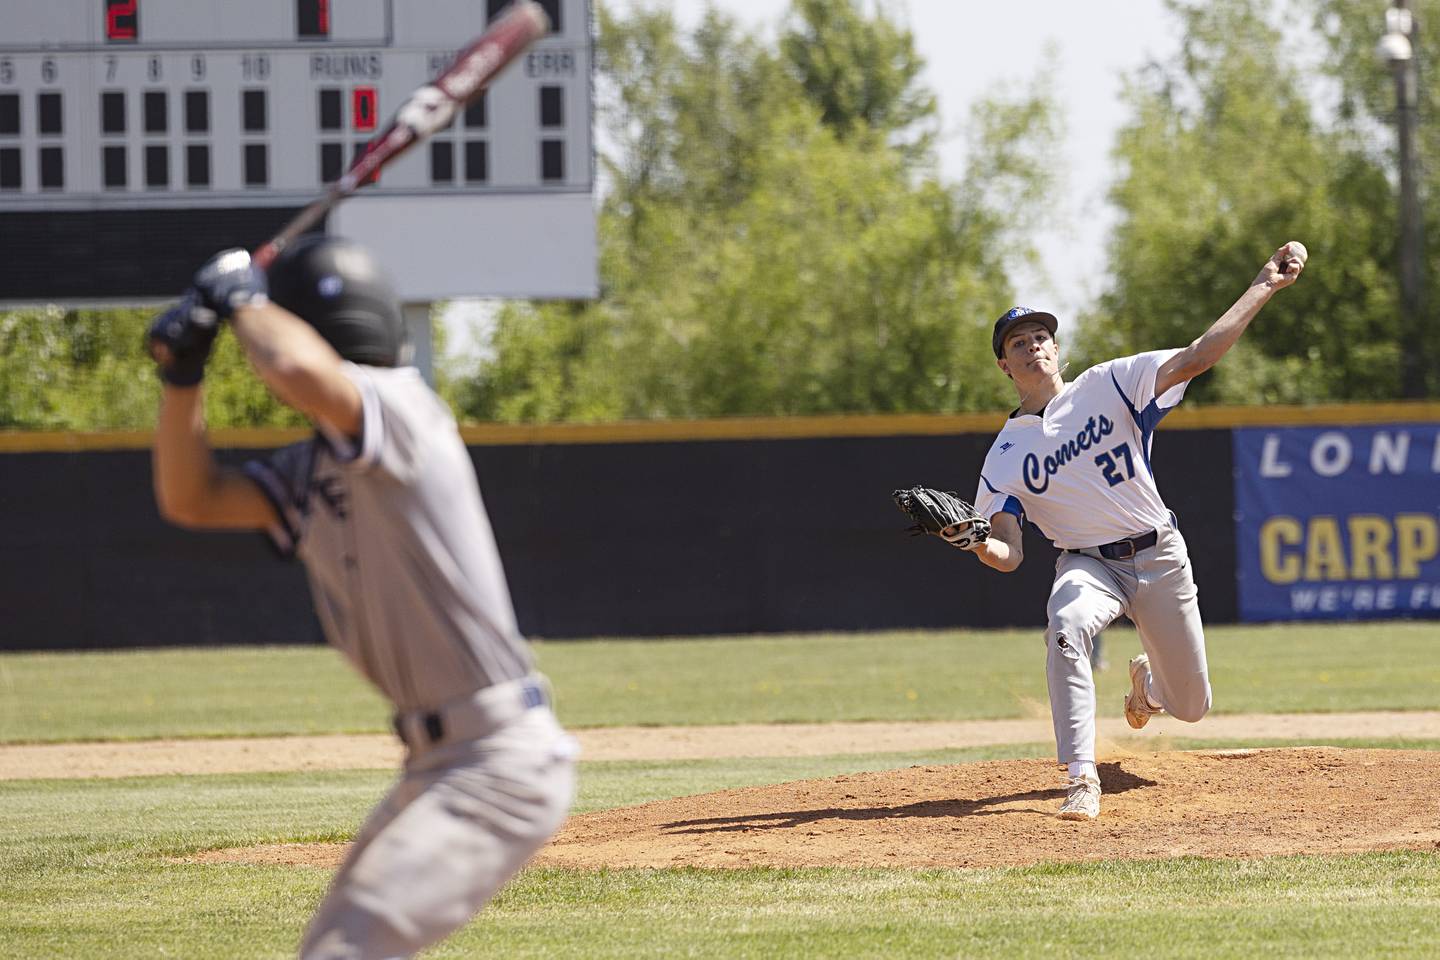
(139, 136)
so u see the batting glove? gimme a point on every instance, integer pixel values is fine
(180, 339)
(230, 281)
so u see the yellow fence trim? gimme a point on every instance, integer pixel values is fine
(1333, 414)
(756, 428)
(759, 428)
(21, 441)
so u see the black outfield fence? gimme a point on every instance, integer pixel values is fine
(739, 536)
(633, 530)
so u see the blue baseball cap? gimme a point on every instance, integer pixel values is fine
(1018, 315)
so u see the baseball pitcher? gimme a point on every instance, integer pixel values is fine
(1074, 460)
(383, 508)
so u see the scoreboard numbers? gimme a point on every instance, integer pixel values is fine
(313, 19)
(363, 102)
(118, 114)
(90, 93)
(122, 21)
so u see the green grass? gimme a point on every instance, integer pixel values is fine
(84, 873)
(84, 868)
(236, 691)
(963, 675)
(1354, 907)
(1378, 905)
(832, 677)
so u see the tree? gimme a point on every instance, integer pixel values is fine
(1222, 162)
(1350, 30)
(1368, 106)
(863, 72)
(757, 259)
(85, 370)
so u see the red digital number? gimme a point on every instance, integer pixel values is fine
(313, 19)
(122, 20)
(363, 103)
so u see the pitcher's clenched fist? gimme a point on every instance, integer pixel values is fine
(1285, 267)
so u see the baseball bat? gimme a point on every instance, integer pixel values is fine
(428, 110)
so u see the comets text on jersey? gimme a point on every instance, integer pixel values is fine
(1037, 473)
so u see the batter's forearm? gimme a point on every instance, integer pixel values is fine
(279, 346)
(184, 466)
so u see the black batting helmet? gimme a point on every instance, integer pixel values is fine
(337, 287)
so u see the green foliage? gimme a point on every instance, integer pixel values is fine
(1222, 163)
(763, 253)
(86, 370)
(73, 370)
(1351, 29)
(1368, 105)
(774, 239)
(862, 71)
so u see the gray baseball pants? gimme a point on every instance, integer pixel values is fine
(464, 818)
(1156, 590)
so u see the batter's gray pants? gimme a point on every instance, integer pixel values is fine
(1156, 590)
(463, 819)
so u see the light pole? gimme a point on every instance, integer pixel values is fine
(1397, 49)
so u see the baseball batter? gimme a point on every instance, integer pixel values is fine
(383, 508)
(1074, 460)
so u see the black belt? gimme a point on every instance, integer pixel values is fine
(471, 717)
(1125, 549)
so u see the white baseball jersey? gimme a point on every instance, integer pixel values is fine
(1080, 470)
(402, 561)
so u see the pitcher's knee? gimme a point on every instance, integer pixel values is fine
(1068, 634)
(1191, 709)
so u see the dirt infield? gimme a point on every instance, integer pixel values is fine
(1156, 804)
(281, 754)
(1315, 800)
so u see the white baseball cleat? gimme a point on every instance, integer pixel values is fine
(1083, 800)
(1138, 708)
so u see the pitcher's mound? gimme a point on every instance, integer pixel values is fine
(1220, 804)
(1243, 803)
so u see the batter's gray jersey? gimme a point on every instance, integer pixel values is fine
(408, 584)
(402, 562)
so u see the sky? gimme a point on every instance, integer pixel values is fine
(974, 48)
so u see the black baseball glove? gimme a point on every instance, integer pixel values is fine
(944, 514)
(180, 339)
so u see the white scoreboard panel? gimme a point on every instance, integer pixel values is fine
(138, 136)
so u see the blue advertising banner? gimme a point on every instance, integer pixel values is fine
(1338, 522)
